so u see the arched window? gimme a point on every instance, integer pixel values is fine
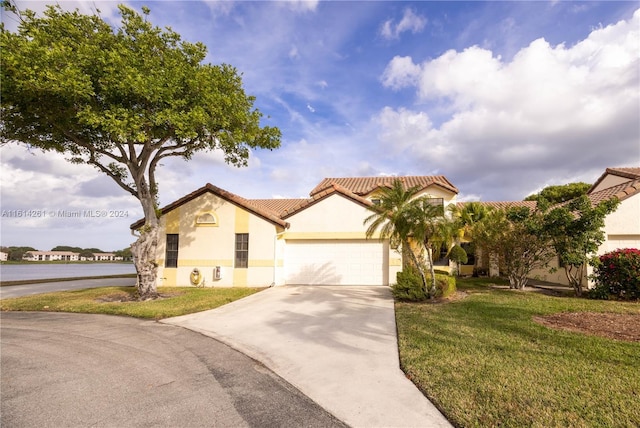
(206, 219)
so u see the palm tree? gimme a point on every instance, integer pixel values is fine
(405, 219)
(430, 228)
(467, 219)
(389, 216)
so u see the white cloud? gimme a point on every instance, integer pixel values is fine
(46, 183)
(310, 108)
(293, 52)
(409, 22)
(302, 5)
(546, 110)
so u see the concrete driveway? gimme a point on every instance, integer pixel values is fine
(337, 344)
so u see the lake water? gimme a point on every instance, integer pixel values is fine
(63, 270)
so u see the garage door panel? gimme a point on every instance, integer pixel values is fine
(335, 262)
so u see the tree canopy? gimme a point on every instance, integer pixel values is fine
(560, 193)
(122, 99)
(576, 230)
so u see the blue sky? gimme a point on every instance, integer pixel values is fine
(503, 98)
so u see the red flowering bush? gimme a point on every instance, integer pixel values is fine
(618, 273)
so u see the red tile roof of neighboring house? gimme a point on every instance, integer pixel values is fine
(362, 186)
(621, 191)
(231, 197)
(630, 173)
(318, 196)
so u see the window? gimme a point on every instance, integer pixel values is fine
(206, 219)
(376, 201)
(171, 258)
(242, 250)
(437, 202)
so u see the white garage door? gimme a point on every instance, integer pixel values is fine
(335, 262)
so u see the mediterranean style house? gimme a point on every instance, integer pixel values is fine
(622, 227)
(233, 241)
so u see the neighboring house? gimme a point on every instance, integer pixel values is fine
(105, 257)
(4, 256)
(37, 256)
(235, 241)
(622, 227)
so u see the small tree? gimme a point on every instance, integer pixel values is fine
(576, 231)
(516, 236)
(467, 219)
(459, 256)
(430, 229)
(389, 218)
(411, 224)
(122, 99)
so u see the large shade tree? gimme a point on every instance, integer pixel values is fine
(122, 99)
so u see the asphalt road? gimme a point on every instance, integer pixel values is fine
(48, 287)
(79, 370)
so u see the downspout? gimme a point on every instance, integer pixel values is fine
(275, 255)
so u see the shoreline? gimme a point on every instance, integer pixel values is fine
(76, 278)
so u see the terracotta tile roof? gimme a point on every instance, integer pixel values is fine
(625, 172)
(334, 188)
(277, 206)
(362, 186)
(621, 191)
(228, 196)
(503, 204)
(630, 173)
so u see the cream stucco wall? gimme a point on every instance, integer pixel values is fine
(336, 218)
(205, 246)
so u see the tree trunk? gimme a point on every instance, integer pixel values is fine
(575, 278)
(432, 291)
(144, 259)
(419, 267)
(517, 282)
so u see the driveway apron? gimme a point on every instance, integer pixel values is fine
(336, 344)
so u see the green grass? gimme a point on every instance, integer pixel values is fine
(176, 301)
(484, 362)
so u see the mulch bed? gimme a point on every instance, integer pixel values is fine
(612, 326)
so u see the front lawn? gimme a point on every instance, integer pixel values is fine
(485, 362)
(175, 301)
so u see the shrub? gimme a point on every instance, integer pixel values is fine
(458, 254)
(409, 286)
(618, 273)
(446, 285)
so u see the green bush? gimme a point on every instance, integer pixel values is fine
(458, 254)
(446, 285)
(409, 286)
(618, 273)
